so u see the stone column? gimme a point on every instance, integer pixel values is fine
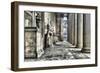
(75, 29)
(39, 37)
(86, 33)
(61, 29)
(80, 30)
(71, 28)
(58, 29)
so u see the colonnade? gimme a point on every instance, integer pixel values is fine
(79, 31)
(47, 28)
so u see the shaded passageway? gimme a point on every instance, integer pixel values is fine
(57, 36)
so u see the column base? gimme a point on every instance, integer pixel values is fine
(85, 50)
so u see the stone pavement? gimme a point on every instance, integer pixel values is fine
(60, 51)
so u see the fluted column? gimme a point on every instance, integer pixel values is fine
(80, 30)
(86, 33)
(71, 28)
(75, 29)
